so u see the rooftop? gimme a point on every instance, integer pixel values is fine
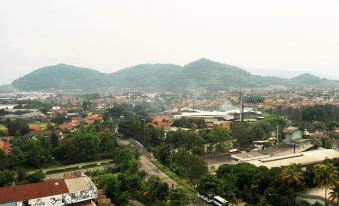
(46, 189)
(290, 129)
(79, 184)
(5, 146)
(32, 191)
(249, 156)
(303, 158)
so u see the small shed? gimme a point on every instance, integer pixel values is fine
(292, 134)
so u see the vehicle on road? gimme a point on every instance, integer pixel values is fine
(219, 201)
(206, 197)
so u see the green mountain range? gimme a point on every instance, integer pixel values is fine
(202, 73)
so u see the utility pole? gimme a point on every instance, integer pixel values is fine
(241, 108)
(277, 134)
(144, 131)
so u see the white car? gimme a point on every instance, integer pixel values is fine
(206, 197)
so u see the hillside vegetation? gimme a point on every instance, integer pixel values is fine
(202, 73)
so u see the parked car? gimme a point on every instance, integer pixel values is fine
(206, 197)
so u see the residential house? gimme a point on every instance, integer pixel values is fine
(5, 146)
(92, 118)
(292, 134)
(67, 126)
(163, 122)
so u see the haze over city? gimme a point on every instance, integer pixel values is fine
(169, 103)
(275, 36)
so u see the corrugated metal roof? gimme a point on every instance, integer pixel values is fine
(79, 184)
(304, 158)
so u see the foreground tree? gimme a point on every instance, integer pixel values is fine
(187, 165)
(292, 174)
(334, 194)
(156, 189)
(325, 174)
(178, 197)
(37, 176)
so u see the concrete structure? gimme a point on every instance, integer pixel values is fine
(303, 158)
(28, 114)
(259, 144)
(316, 194)
(56, 192)
(247, 156)
(249, 114)
(7, 106)
(292, 134)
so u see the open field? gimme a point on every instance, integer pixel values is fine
(41, 125)
(2, 127)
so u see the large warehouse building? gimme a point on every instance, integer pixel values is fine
(304, 158)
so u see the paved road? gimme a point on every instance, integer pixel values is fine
(151, 169)
(146, 164)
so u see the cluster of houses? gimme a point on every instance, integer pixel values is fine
(211, 119)
(38, 124)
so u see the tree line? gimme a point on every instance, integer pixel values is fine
(124, 181)
(276, 186)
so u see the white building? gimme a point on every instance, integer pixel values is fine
(7, 106)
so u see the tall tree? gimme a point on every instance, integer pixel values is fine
(178, 197)
(334, 193)
(325, 174)
(292, 174)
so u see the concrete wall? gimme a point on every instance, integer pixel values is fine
(79, 196)
(45, 201)
(60, 200)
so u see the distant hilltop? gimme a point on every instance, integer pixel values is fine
(202, 73)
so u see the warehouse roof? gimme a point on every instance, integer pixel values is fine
(45, 189)
(303, 158)
(32, 191)
(246, 156)
(79, 184)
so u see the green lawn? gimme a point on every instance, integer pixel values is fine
(42, 125)
(2, 126)
(60, 166)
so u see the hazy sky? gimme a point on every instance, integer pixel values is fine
(107, 35)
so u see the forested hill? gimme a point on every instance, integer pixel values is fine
(62, 77)
(202, 73)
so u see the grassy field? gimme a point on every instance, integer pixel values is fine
(42, 125)
(59, 166)
(2, 127)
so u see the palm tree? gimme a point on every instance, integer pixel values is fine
(325, 174)
(292, 174)
(334, 194)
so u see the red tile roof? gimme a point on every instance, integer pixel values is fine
(94, 117)
(32, 191)
(67, 126)
(162, 121)
(5, 146)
